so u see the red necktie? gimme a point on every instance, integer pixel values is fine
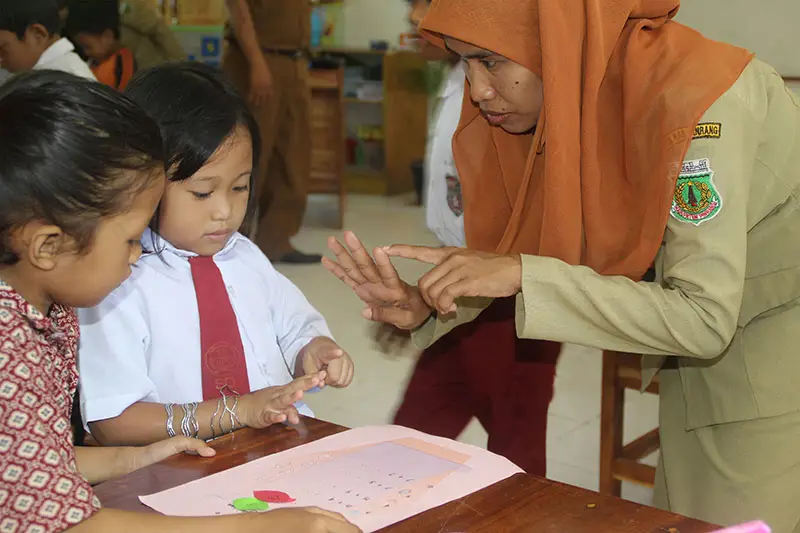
(223, 361)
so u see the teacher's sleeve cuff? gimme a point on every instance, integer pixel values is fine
(536, 315)
(437, 326)
(422, 337)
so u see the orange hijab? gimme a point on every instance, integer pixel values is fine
(624, 87)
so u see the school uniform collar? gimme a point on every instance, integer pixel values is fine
(151, 239)
(58, 49)
(11, 299)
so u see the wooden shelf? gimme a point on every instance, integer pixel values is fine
(327, 135)
(403, 112)
(351, 100)
(318, 84)
(325, 182)
(360, 180)
(317, 175)
(348, 51)
(363, 170)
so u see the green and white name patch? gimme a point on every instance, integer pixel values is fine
(696, 199)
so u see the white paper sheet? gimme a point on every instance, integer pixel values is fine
(375, 476)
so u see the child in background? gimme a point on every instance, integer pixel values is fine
(443, 207)
(142, 29)
(94, 25)
(181, 344)
(81, 173)
(30, 39)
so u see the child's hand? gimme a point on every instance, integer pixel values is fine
(323, 353)
(305, 520)
(158, 451)
(275, 405)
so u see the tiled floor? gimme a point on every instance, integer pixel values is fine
(574, 426)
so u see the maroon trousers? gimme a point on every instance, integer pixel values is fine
(483, 370)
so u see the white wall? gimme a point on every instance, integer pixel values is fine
(366, 20)
(770, 28)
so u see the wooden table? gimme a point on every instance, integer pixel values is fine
(521, 504)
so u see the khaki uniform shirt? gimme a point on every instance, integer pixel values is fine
(145, 32)
(727, 299)
(280, 24)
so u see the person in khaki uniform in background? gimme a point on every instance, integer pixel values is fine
(142, 30)
(580, 189)
(267, 60)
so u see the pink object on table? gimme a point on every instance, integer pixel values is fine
(749, 527)
(375, 476)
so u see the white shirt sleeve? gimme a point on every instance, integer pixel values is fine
(114, 337)
(295, 320)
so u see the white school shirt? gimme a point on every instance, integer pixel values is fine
(61, 56)
(142, 343)
(444, 209)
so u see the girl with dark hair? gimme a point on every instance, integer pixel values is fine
(206, 336)
(81, 174)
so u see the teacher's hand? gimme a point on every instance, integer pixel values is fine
(459, 272)
(389, 299)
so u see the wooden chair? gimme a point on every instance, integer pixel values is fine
(328, 135)
(620, 462)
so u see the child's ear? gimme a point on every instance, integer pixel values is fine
(40, 244)
(36, 34)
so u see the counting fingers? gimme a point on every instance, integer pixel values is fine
(361, 257)
(386, 269)
(337, 270)
(346, 262)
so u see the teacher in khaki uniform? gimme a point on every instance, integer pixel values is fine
(597, 137)
(266, 59)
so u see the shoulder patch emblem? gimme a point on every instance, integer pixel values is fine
(708, 130)
(696, 199)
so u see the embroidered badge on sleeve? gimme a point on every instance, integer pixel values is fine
(696, 199)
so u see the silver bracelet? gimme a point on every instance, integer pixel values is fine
(195, 424)
(184, 430)
(230, 411)
(189, 425)
(224, 401)
(170, 418)
(219, 408)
